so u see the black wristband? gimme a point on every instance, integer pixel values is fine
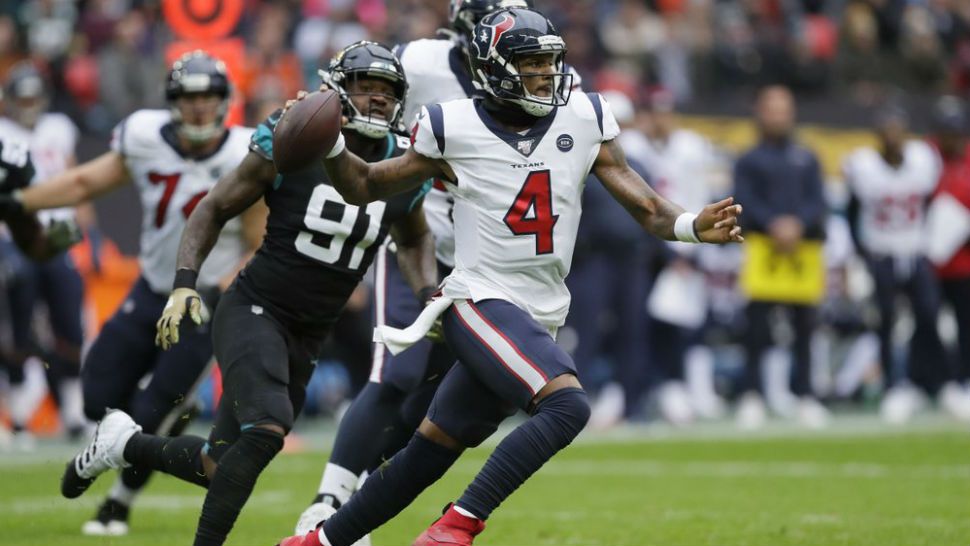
(426, 293)
(185, 278)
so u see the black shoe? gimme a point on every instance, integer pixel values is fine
(111, 520)
(73, 485)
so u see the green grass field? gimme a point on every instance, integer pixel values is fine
(858, 484)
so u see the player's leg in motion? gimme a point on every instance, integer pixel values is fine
(373, 427)
(506, 361)
(26, 392)
(262, 394)
(160, 408)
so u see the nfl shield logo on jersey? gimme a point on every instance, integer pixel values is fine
(524, 146)
(564, 142)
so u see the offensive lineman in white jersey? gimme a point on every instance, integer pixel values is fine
(438, 71)
(52, 138)
(515, 163)
(174, 157)
(890, 189)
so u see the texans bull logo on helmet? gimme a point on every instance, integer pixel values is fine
(490, 35)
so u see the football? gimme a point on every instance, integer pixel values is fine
(307, 131)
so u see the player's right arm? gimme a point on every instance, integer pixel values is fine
(235, 192)
(78, 184)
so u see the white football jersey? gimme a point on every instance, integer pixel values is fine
(892, 200)
(435, 75)
(170, 186)
(517, 198)
(52, 142)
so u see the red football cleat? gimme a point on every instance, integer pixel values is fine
(309, 539)
(451, 528)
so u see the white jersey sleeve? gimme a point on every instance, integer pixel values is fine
(609, 128)
(428, 135)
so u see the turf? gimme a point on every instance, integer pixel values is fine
(847, 487)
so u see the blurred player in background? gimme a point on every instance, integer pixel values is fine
(949, 135)
(25, 230)
(438, 70)
(269, 326)
(52, 138)
(780, 183)
(681, 163)
(173, 157)
(516, 162)
(891, 186)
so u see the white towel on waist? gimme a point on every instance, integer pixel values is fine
(397, 339)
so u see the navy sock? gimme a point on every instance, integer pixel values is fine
(389, 490)
(369, 424)
(234, 482)
(558, 419)
(180, 456)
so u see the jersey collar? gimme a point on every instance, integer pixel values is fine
(524, 144)
(171, 138)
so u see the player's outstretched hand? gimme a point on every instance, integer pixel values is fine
(182, 301)
(718, 222)
(63, 234)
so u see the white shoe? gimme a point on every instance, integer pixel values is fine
(24, 441)
(710, 406)
(751, 413)
(955, 400)
(675, 404)
(608, 407)
(107, 448)
(900, 403)
(95, 528)
(812, 414)
(317, 513)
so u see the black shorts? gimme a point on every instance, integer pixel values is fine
(265, 369)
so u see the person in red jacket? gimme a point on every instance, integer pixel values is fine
(949, 136)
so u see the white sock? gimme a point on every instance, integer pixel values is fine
(122, 493)
(464, 512)
(339, 482)
(72, 402)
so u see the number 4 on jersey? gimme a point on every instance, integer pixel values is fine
(535, 195)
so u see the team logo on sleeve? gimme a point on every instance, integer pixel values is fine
(564, 142)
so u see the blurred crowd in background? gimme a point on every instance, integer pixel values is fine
(657, 330)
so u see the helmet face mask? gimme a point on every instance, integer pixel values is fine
(197, 90)
(508, 41)
(361, 73)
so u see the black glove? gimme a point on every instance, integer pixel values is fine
(63, 234)
(10, 205)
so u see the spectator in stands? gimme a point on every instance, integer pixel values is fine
(949, 136)
(780, 183)
(131, 74)
(268, 56)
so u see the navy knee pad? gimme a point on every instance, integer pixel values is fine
(568, 407)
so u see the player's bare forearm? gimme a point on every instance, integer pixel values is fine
(649, 209)
(77, 184)
(235, 192)
(360, 182)
(415, 251)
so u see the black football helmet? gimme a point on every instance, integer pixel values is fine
(366, 59)
(25, 94)
(197, 72)
(500, 39)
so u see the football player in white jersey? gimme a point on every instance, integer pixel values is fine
(890, 187)
(173, 157)
(515, 162)
(438, 70)
(52, 137)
